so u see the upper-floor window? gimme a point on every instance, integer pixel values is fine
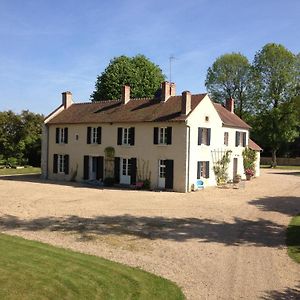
(62, 135)
(240, 138)
(202, 169)
(94, 135)
(226, 138)
(61, 163)
(162, 135)
(204, 135)
(126, 136)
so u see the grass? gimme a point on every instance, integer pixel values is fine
(20, 171)
(33, 270)
(281, 167)
(293, 238)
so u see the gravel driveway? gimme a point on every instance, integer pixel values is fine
(215, 244)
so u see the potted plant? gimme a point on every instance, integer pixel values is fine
(249, 173)
(237, 178)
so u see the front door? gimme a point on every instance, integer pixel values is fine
(93, 167)
(162, 174)
(235, 167)
(125, 174)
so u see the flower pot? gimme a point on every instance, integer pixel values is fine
(248, 176)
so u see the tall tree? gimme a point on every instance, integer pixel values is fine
(276, 76)
(143, 76)
(229, 76)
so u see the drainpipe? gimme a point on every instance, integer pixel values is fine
(188, 154)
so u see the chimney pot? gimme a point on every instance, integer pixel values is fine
(67, 100)
(230, 104)
(125, 94)
(186, 102)
(172, 89)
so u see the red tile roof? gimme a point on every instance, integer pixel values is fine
(252, 145)
(230, 119)
(136, 110)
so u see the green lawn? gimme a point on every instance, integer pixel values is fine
(20, 171)
(33, 270)
(293, 238)
(281, 167)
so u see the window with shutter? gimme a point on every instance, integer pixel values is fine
(204, 136)
(62, 135)
(202, 169)
(226, 138)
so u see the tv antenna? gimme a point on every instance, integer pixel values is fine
(171, 58)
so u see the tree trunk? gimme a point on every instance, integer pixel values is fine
(274, 159)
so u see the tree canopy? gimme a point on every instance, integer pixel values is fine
(143, 76)
(229, 77)
(20, 137)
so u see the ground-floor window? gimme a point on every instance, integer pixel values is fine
(126, 167)
(61, 163)
(202, 169)
(162, 169)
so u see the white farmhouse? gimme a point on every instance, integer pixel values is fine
(172, 141)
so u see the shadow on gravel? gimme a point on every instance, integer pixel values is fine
(260, 233)
(295, 173)
(286, 205)
(286, 294)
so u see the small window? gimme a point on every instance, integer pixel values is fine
(226, 137)
(206, 118)
(202, 169)
(162, 136)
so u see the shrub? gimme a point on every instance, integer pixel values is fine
(109, 181)
(146, 184)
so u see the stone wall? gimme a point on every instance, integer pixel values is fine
(281, 161)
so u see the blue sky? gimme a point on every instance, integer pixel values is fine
(48, 47)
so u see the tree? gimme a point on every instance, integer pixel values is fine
(143, 76)
(276, 76)
(229, 76)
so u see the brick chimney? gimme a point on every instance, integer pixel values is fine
(230, 104)
(165, 91)
(186, 102)
(125, 94)
(172, 89)
(67, 100)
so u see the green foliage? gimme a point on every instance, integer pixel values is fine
(249, 158)
(229, 77)
(143, 76)
(20, 136)
(33, 270)
(221, 168)
(275, 83)
(109, 152)
(146, 184)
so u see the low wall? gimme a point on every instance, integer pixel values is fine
(281, 161)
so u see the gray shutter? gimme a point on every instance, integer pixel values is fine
(244, 139)
(66, 167)
(155, 136)
(86, 167)
(55, 158)
(57, 136)
(117, 169)
(119, 138)
(237, 138)
(208, 136)
(99, 135)
(199, 135)
(207, 169)
(133, 171)
(169, 135)
(88, 135)
(132, 135)
(169, 173)
(99, 168)
(66, 135)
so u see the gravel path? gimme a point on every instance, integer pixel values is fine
(215, 244)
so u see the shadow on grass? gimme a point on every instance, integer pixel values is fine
(286, 205)
(260, 233)
(286, 294)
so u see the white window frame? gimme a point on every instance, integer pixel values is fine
(126, 167)
(60, 163)
(162, 168)
(125, 136)
(94, 133)
(162, 136)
